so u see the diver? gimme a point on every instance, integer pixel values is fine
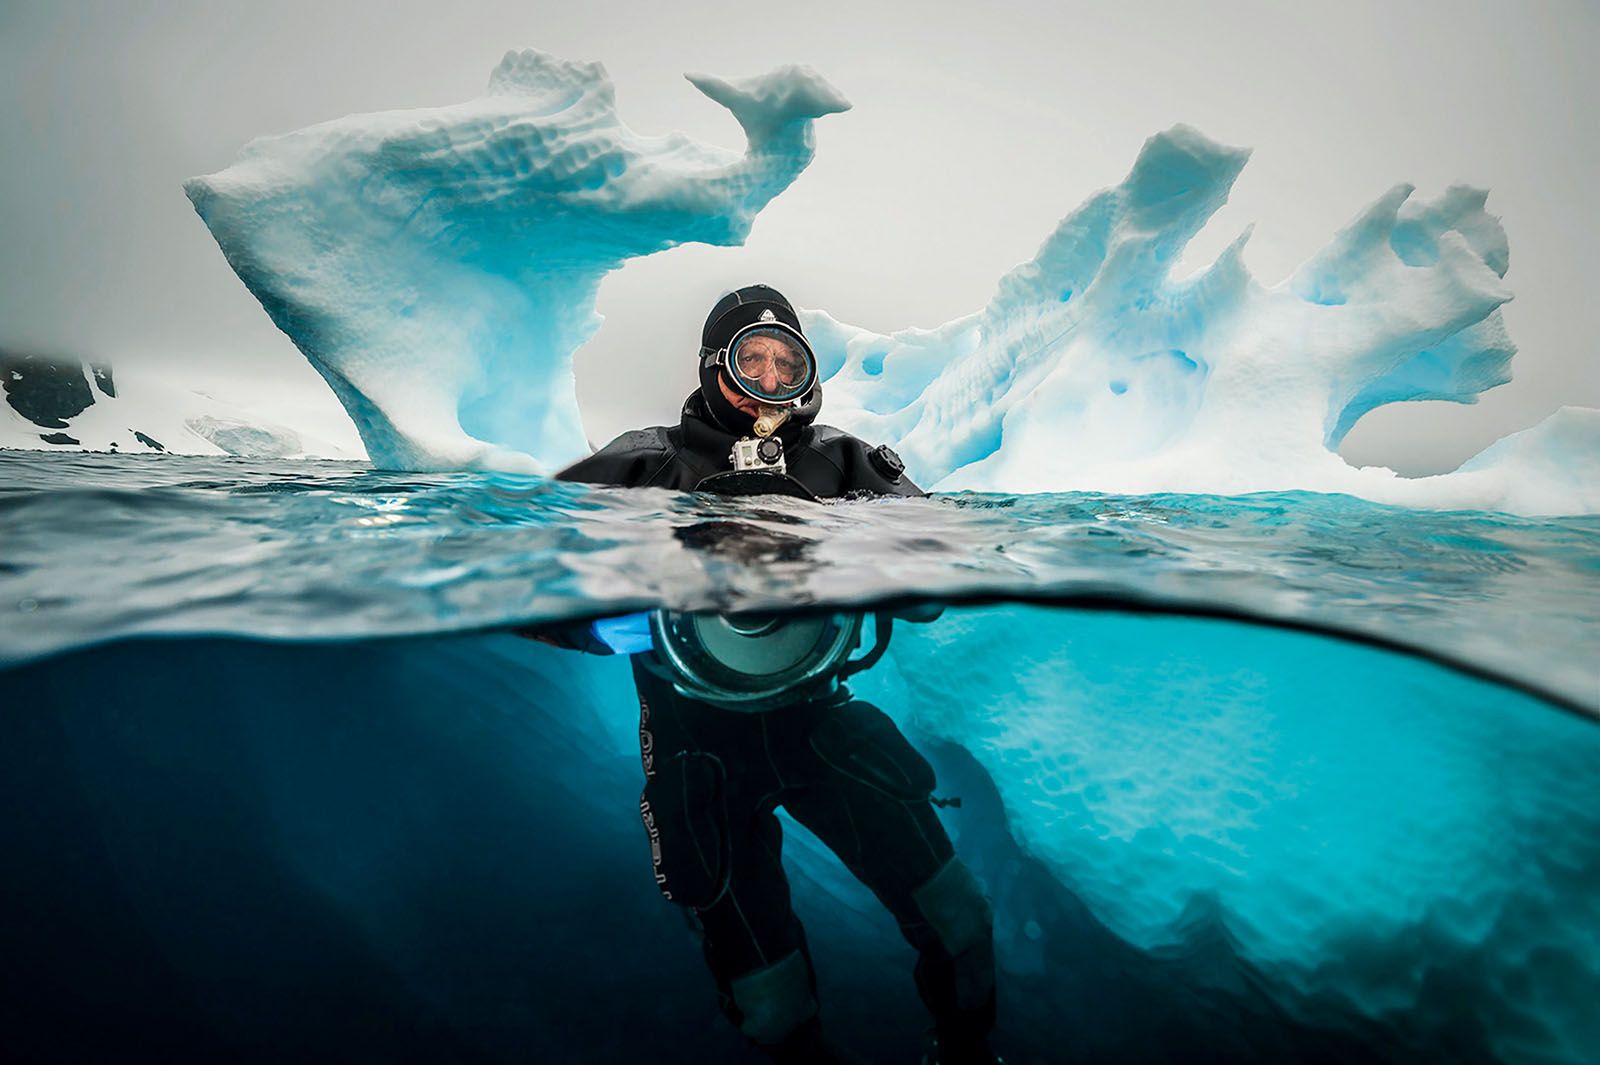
(719, 759)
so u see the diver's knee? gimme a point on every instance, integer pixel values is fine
(775, 1000)
(953, 905)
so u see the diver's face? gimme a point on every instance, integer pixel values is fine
(738, 399)
(771, 364)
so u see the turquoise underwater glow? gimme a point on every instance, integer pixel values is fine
(1275, 777)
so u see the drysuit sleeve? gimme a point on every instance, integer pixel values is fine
(632, 460)
(903, 485)
(876, 471)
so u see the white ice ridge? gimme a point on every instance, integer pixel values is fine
(439, 267)
(1091, 368)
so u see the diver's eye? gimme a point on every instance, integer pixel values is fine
(771, 364)
(788, 367)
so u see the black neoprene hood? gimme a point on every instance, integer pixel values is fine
(742, 307)
(732, 313)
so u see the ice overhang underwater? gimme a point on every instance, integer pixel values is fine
(439, 267)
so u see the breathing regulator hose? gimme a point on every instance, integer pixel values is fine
(882, 629)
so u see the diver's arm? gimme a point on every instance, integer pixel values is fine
(882, 473)
(878, 470)
(907, 487)
(863, 469)
(632, 460)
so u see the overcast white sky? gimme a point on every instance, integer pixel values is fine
(976, 127)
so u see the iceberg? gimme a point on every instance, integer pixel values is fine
(1093, 368)
(439, 267)
(243, 439)
(1319, 823)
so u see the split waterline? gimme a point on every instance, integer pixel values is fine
(1269, 774)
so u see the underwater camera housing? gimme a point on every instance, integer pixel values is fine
(753, 663)
(763, 452)
(762, 455)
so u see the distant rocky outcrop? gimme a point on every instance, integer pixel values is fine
(49, 391)
(63, 403)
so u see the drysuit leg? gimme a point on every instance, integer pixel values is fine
(716, 847)
(753, 942)
(871, 806)
(757, 952)
(953, 931)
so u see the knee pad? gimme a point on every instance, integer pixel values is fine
(955, 907)
(775, 1000)
(685, 816)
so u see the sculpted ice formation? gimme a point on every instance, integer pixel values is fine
(439, 267)
(1092, 368)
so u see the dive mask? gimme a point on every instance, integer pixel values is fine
(769, 361)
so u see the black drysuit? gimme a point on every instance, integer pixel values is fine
(714, 777)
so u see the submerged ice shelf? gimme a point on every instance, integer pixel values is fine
(1203, 840)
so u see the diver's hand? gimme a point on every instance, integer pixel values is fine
(625, 635)
(567, 635)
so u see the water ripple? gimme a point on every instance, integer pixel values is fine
(98, 547)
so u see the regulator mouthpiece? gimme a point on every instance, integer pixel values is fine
(771, 418)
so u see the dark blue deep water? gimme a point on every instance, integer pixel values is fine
(1284, 777)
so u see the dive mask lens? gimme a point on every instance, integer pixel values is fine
(771, 363)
